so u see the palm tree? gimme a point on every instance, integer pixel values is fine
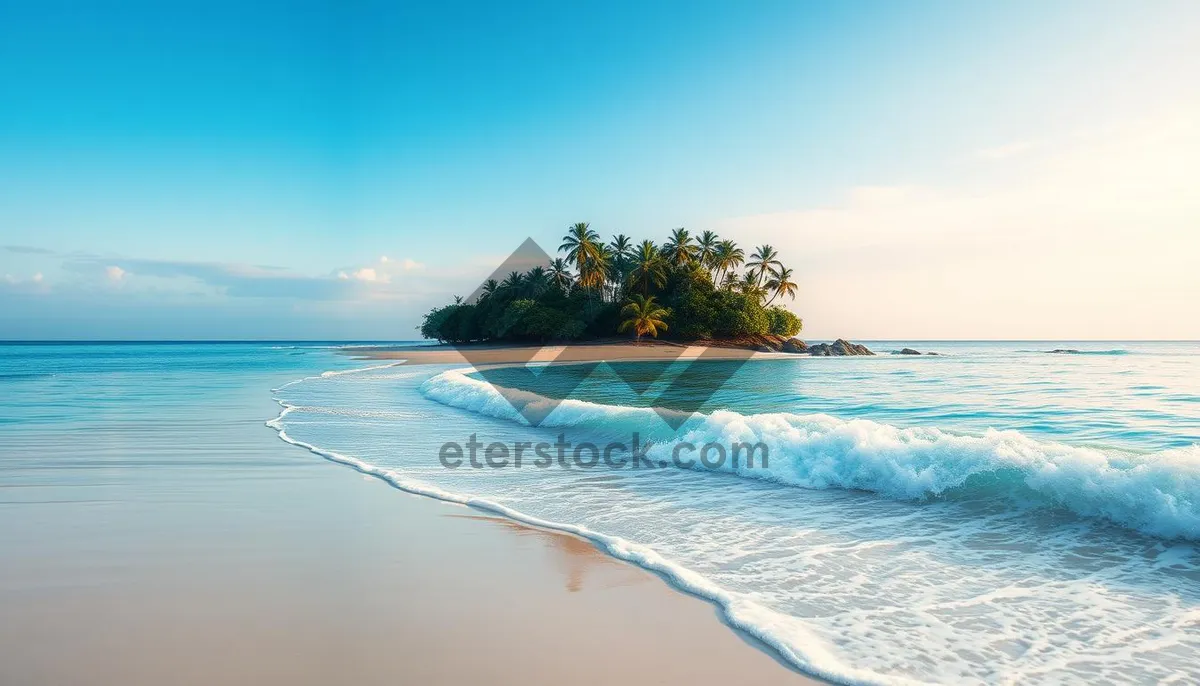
(596, 269)
(583, 247)
(648, 269)
(537, 282)
(644, 316)
(781, 284)
(621, 252)
(560, 274)
(728, 258)
(749, 286)
(489, 287)
(512, 286)
(706, 249)
(763, 258)
(679, 249)
(621, 246)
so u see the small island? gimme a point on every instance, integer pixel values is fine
(689, 289)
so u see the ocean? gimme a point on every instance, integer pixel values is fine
(996, 513)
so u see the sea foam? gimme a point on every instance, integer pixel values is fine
(789, 637)
(1156, 493)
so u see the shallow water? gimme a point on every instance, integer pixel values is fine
(994, 514)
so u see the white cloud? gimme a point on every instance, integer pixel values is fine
(35, 284)
(385, 270)
(1092, 238)
(368, 274)
(115, 273)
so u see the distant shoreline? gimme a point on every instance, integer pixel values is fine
(596, 351)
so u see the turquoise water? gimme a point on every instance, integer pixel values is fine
(92, 414)
(997, 513)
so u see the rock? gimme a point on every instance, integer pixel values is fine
(843, 347)
(795, 345)
(909, 351)
(765, 349)
(838, 348)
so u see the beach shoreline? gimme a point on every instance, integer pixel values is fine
(598, 351)
(158, 532)
(249, 561)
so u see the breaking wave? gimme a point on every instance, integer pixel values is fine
(1156, 493)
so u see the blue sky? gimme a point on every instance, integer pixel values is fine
(931, 169)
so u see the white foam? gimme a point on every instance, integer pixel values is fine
(337, 372)
(1156, 493)
(788, 636)
(856, 588)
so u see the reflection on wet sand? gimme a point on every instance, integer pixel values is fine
(576, 557)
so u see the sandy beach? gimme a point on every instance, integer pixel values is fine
(485, 354)
(248, 561)
(156, 525)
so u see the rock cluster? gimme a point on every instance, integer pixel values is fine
(838, 348)
(794, 345)
(779, 344)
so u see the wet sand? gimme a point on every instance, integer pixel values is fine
(253, 562)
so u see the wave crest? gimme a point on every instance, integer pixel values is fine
(1157, 493)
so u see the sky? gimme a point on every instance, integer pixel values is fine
(332, 170)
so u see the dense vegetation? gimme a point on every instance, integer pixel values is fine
(689, 288)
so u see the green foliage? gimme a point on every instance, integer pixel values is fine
(739, 315)
(695, 316)
(782, 322)
(694, 302)
(434, 325)
(520, 320)
(696, 283)
(644, 317)
(543, 323)
(461, 324)
(530, 320)
(513, 324)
